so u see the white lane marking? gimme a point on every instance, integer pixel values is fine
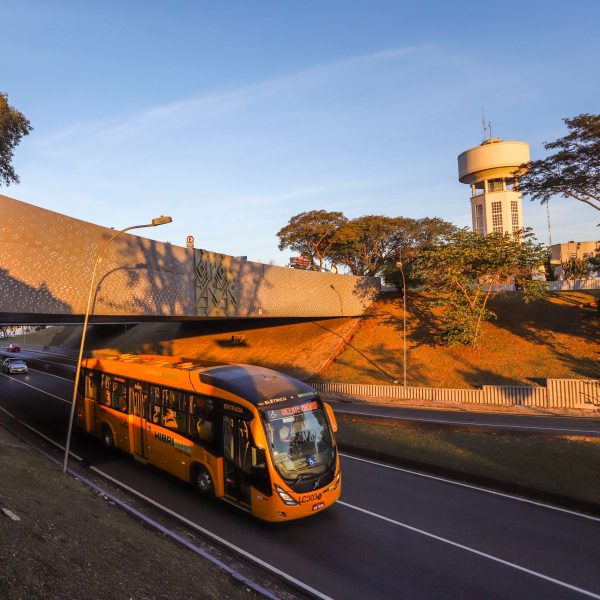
(36, 388)
(50, 362)
(50, 440)
(473, 423)
(51, 374)
(214, 536)
(474, 551)
(50, 354)
(475, 487)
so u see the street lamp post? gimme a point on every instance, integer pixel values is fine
(155, 222)
(401, 267)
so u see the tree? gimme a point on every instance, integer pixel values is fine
(420, 234)
(573, 171)
(13, 126)
(461, 269)
(311, 234)
(366, 243)
(576, 268)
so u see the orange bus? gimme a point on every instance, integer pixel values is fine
(251, 436)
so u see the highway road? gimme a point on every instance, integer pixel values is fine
(394, 534)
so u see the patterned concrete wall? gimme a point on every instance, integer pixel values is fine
(46, 262)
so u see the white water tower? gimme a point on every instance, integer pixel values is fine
(495, 200)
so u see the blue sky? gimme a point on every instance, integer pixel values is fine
(233, 116)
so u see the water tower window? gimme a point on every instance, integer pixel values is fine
(495, 185)
(479, 218)
(514, 213)
(479, 189)
(497, 217)
(510, 184)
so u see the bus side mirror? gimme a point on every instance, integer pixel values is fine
(331, 416)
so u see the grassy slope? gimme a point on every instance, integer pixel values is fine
(526, 344)
(73, 543)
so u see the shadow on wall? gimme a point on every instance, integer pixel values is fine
(18, 297)
(249, 285)
(161, 283)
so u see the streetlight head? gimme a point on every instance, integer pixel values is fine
(399, 264)
(161, 220)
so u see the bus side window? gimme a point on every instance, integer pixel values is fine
(144, 407)
(154, 405)
(105, 395)
(200, 424)
(82, 378)
(91, 384)
(182, 411)
(174, 410)
(260, 473)
(119, 395)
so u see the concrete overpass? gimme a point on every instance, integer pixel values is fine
(46, 262)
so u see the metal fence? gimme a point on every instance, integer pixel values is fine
(558, 393)
(556, 286)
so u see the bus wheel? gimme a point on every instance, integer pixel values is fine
(107, 437)
(202, 481)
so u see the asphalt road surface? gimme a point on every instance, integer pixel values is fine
(394, 534)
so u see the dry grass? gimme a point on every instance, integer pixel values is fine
(73, 543)
(525, 345)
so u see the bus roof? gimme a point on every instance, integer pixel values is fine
(258, 385)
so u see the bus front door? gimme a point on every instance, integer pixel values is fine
(237, 459)
(139, 403)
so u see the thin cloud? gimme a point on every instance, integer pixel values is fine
(213, 105)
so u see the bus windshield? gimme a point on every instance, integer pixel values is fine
(300, 441)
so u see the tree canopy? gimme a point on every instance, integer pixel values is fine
(461, 269)
(13, 126)
(367, 245)
(311, 234)
(573, 170)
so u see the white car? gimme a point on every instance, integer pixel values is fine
(14, 365)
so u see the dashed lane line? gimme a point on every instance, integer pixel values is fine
(36, 388)
(474, 487)
(51, 374)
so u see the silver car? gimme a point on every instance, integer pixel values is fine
(14, 365)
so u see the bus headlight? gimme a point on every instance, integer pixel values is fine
(335, 484)
(285, 497)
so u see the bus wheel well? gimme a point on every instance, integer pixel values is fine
(108, 439)
(201, 480)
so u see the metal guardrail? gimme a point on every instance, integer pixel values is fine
(558, 393)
